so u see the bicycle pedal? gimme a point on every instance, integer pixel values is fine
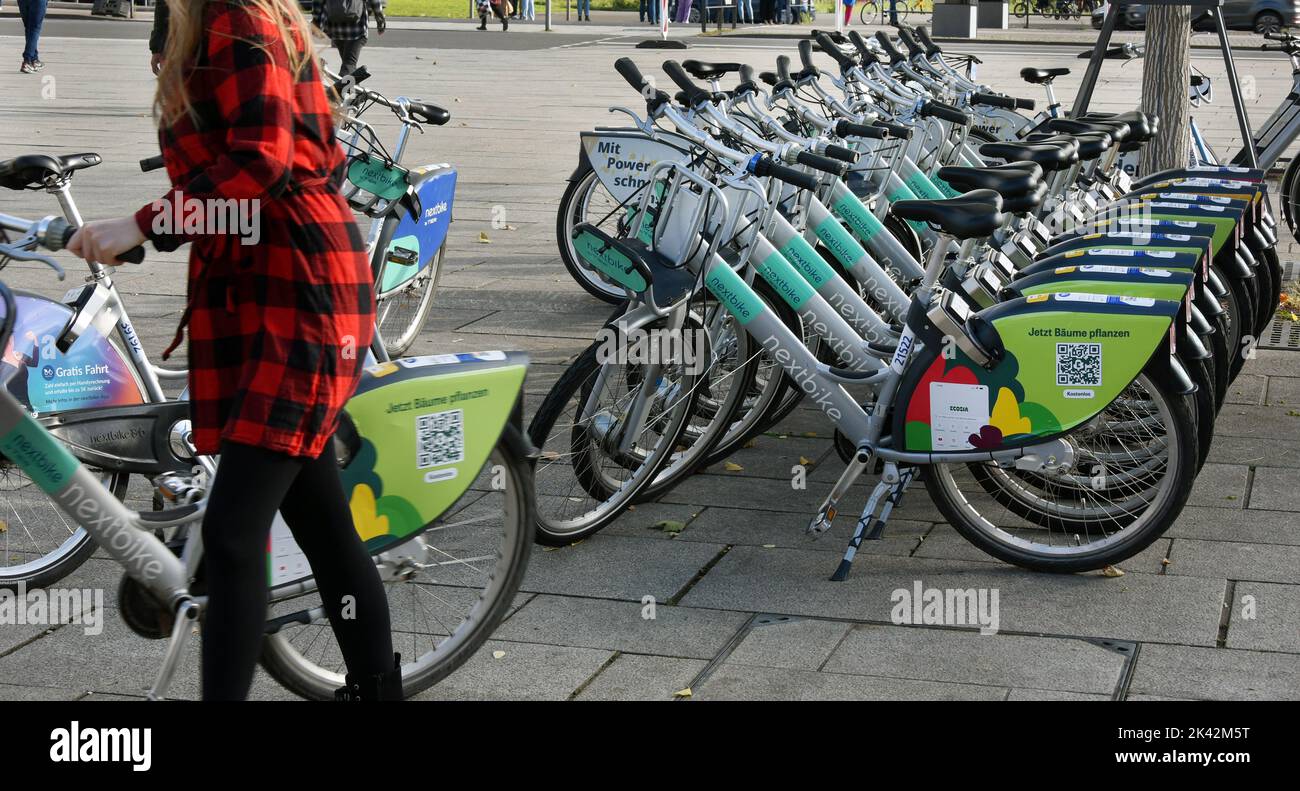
(176, 490)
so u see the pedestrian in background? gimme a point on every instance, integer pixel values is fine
(745, 11)
(683, 11)
(584, 10)
(527, 10)
(158, 36)
(501, 9)
(344, 23)
(33, 14)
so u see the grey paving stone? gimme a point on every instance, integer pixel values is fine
(1275, 625)
(1265, 422)
(622, 626)
(1251, 525)
(740, 526)
(733, 681)
(1220, 486)
(997, 660)
(641, 520)
(1133, 607)
(1254, 451)
(1284, 391)
(1178, 671)
(1273, 362)
(1049, 694)
(15, 692)
(618, 567)
(525, 672)
(635, 677)
(1276, 489)
(1235, 561)
(1247, 389)
(771, 457)
(947, 544)
(792, 643)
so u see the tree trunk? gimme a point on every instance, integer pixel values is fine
(1166, 73)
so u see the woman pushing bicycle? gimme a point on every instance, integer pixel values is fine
(280, 312)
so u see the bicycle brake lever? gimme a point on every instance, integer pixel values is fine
(20, 254)
(644, 126)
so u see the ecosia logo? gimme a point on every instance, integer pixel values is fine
(76, 744)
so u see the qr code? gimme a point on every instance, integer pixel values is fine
(439, 438)
(1078, 364)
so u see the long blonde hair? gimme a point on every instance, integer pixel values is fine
(185, 42)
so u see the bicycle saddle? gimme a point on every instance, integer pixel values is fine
(1041, 76)
(31, 170)
(708, 71)
(1115, 130)
(1050, 153)
(1142, 127)
(1010, 180)
(430, 113)
(971, 215)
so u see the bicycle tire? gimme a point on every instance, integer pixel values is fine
(565, 220)
(72, 551)
(283, 662)
(1126, 544)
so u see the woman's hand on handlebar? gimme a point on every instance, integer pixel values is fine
(102, 240)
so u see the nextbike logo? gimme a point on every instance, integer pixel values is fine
(112, 532)
(438, 208)
(53, 607)
(75, 744)
(804, 377)
(48, 372)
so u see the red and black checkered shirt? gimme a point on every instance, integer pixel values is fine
(278, 329)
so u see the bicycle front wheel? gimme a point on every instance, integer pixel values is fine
(448, 589)
(39, 544)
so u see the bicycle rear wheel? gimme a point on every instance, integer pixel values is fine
(448, 589)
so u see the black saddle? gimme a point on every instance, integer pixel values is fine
(1041, 76)
(430, 113)
(31, 170)
(1141, 126)
(1115, 130)
(1053, 153)
(976, 213)
(1091, 145)
(1009, 180)
(708, 71)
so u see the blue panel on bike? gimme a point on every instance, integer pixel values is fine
(423, 235)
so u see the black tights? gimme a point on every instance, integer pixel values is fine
(250, 485)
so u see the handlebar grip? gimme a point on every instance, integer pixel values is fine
(133, 256)
(850, 129)
(931, 48)
(864, 52)
(631, 72)
(894, 55)
(840, 153)
(151, 163)
(805, 57)
(819, 162)
(694, 93)
(783, 68)
(993, 100)
(895, 130)
(913, 48)
(945, 112)
(831, 48)
(1024, 104)
(764, 166)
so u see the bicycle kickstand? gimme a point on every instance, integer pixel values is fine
(826, 513)
(187, 612)
(893, 483)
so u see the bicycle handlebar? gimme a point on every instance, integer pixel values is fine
(819, 162)
(151, 163)
(695, 95)
(830, 48)
(945, 112)
(850, 129)
(764, 166)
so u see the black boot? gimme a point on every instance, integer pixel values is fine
(385, 686)
(482, 22)
(505, 23)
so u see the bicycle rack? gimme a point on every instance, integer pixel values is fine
(1215, 9)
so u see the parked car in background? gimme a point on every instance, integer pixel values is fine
(1261, 16)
